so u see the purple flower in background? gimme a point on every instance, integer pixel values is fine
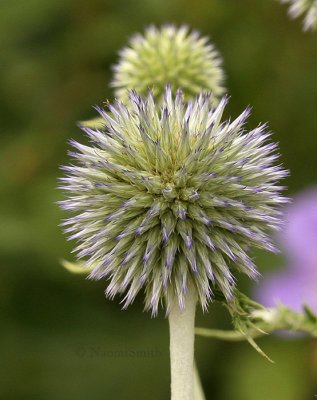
(297, 284)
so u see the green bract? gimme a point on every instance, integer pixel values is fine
(168, 56)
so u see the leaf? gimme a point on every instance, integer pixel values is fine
(257, 348)
(95, 123)
(310, 314)
(251, 320)
(76, 267)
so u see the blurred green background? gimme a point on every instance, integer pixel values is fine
(60, 338)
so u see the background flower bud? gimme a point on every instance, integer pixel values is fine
(168, 55)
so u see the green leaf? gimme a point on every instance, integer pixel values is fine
(76, 267)
(310, 314)
(251, 320)
(95, 123)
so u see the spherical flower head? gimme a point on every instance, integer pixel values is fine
(306, 8)
(168, 55)
(168, 194)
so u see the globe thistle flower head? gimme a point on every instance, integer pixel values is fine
(168, 55)
(168, 194)
(306, 8)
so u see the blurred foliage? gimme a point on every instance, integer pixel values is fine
(60, 338)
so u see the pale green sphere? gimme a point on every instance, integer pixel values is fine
(172, 56)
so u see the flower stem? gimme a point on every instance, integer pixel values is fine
(198, 389)
(182, 334)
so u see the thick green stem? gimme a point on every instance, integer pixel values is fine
(182, 334)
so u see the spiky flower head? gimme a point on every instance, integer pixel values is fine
(169, 193)
(306, 8)
(168, 55)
